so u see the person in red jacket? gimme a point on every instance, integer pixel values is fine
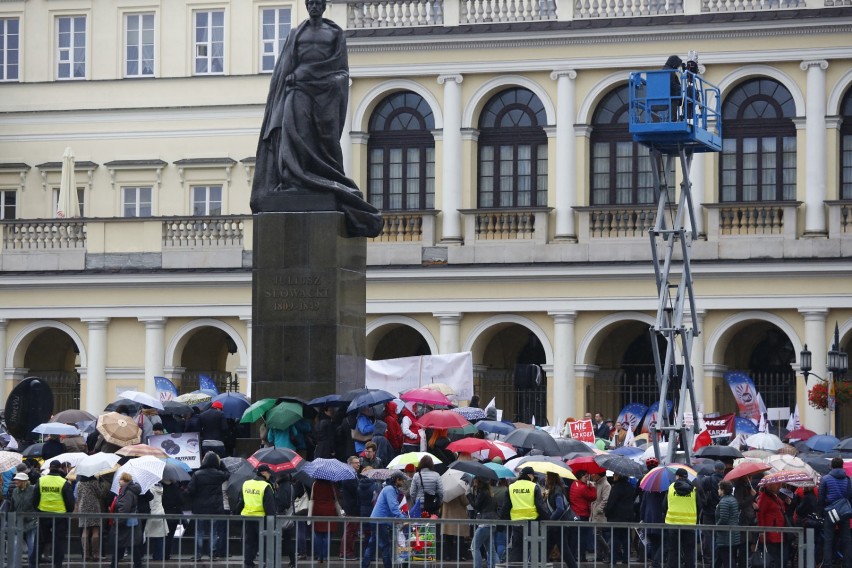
(580, 497)
(770, 513)
(394, 431)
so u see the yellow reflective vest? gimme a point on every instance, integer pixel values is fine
(253, 497)
(50, 494)
(683, 509)
(522, 497)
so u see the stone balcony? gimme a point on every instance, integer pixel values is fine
(732, 231)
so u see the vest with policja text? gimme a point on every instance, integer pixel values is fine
(253, 498)
(682, 509)
(50, 494)
(522, 497)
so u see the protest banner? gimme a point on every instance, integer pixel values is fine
(183, 447)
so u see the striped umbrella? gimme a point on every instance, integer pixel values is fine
(470, 413)
(146, 471)
(138, 450)
(329, 470)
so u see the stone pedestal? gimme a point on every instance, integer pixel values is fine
(308, 305)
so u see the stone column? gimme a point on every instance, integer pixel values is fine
(449, 340)
(816, 163)
(564, 353)
(96, 384)
(4, 324)
(155, 351)
(247, 364)
(817, 420)
(451, 171)
(566, 155)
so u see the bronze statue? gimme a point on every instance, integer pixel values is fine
(299, 148)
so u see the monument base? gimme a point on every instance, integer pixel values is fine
(308, 305)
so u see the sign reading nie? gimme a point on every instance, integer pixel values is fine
(582, 430)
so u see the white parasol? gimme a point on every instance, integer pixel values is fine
(68, 207)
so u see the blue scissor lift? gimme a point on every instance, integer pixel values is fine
(675, 114)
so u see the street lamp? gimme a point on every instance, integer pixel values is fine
(837, 363)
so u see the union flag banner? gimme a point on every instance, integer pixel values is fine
(744, 393)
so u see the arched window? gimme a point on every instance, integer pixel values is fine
(621, 169)
(846, 147)
(513, 151)
(758, 161)
(401, 150)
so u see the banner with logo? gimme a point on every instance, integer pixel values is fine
(720, 426)
(632, 414)
(652, 417)
(744, 393)
(166, 389)
(405, 373)
(582, 430)
(744, 426)
(184, 447)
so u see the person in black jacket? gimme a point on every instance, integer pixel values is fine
(709, 498)
(172, 505)
(324, 434)
(619, 509)
(205, 494)
(213, 425)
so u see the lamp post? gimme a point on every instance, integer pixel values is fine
(837, 363)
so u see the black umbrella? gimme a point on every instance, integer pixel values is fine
(474, 468)
(33, 451)
(844, 445)
(569, 445)
(717, 452)
(621, 465)
(175, 408)
(329, 400)
(375, 396)
(820, 464)
(133, 407)
(241, 470)
(533, 439)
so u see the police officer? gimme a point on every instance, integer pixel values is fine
(681, 508)
(257, 500)
(524, 503)
(53, 494)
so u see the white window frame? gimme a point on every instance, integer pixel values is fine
(137, 202)
(69, 51)
(140, 44)
(207, 46)
(207, 201)
(81, 199)
(4, 193)
(276, 43)
(5, 50)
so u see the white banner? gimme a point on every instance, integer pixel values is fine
(183, 447)
(400, 375)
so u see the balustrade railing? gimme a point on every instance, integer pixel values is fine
(487, 11)
(395, 14)
(203, 232)
(749, 5)
(51, 234)
(401, 227)
(839, 218)
(616, 222)
(751, 219)
(500, 224)
(585, 9)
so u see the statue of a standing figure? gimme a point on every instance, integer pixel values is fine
(299, 149)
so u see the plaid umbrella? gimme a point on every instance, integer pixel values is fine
(72, 416)
(138, 450)
(329, 470)
(56, 428)
(118, 429)
(659, 478)
(470, 413)
(794, 477)
(146, 471)
(377, 474)
(97, 464)
(256, 411)
(278, 459)
(8, 460)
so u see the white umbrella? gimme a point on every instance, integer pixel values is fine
(96, 464)
(142, 398)
(56, 428)
(68, 206)
(764, 441)
(70, 457)
(454, 484)
(146, 471)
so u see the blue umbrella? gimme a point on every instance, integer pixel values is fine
(329, 470)
(822, 443)
(183, 465)
(370, 398)
(495, 427)
(627, 451)
(502, 471)
(328, 400)
(233, 404)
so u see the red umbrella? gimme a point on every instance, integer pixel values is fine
(746, 468)
(586, 463)
(470, 445)
(442, 420)
(426, 396)
(801, 434)
(278, 459)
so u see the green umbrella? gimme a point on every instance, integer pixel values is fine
(284, 415)
(256, 411)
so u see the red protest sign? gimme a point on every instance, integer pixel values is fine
(720, 426)
(582, 430)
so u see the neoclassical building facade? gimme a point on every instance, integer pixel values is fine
(492, 135)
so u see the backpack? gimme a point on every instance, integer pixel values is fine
(430, 500)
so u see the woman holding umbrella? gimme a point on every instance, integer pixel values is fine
(323, 504)
(129, 533)
(90, 500)
(770, 513)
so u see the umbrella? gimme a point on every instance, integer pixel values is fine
(146, 471)
(377, 474)
(764, 441)
(328, 400)
(822, 443)
(471, 445)
(142, 398)
(470, 413)
(568, 445)
(502, 471)
(181, 464)
(759, 454)
(309, 412)
(784, 462)
(256, 410)
(426, 396)
(284, 415)
(68, 205)
(97, 464)
(56, 428)
(454, 484)
(278, 459)
(506, 451)
(175, 408)
(329, 470)
(241, 470)
(533, 440)
(659, 478)
(746, 468)
(442, 419)
(233, 404)
(8, 460)
(495, 427)
(629, 452)
(791, 477)
(138, 450)
(540, 466)
(820, 464)
(370, 398)
(515, 463)
(717, 452)
(118, 429)
(800, 434)
(72, 458)
(33, 451)
(72, 416)
(844, 445)
(621, 465)
(586, 463)
(191, 398)
(443, 388)
(402, 460)
(474, 468)
(175, 473)
(133, 408)
(232, 464)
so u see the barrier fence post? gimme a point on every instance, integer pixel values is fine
(810, 549)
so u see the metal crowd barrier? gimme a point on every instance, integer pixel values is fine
(284, 541)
